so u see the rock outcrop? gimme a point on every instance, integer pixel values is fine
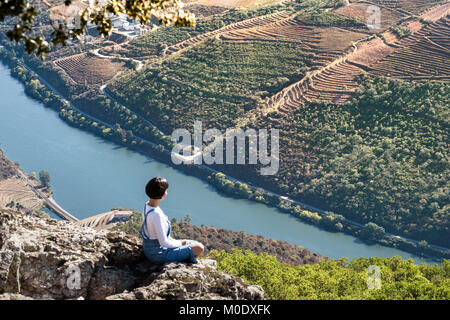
(51, 259)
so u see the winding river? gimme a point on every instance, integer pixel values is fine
(90, 175)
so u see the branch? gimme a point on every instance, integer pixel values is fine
(167, 12)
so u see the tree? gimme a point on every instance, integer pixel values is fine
(332, 221)
(44, 176)
(167, 12)
(372, 231)
(242, 190)
(423, 244)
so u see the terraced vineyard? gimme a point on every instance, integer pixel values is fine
(253, 22)
(407, 6)
(16, 190)
(425, 55)
(84, 68)
(334, 83)
(405, 58)
(436, 12)
(7, 168)
(216, 81)
(388, 17)
(167, 40)
(364, 152)
(338, 82)
(314, 39)
(204, 11)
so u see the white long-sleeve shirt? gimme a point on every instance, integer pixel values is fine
(158, 226)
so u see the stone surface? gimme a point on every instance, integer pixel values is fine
(51, 259)
(14, 296)
(198, 281)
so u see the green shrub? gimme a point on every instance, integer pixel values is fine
(342, 279)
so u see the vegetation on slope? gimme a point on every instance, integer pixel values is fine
(382, 157)
(320, 17)
(153, 42)
(401, 32)
(342, 279)
(373, 169)
(216, 82)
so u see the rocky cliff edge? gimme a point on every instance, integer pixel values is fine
(51, 259)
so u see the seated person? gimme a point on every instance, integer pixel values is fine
(159, 247)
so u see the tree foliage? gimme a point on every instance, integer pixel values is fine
(383, 157)
(215, 82)
(341, 279)
(168, 12)
(372, 231)
(44, 176)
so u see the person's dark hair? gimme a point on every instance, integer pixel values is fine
(156, 188)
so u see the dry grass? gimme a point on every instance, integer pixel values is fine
(370, 52)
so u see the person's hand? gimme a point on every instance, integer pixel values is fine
(184, 242)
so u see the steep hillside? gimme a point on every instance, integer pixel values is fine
(381, 158)
(422, 56)
(7, 168)
(17, 189)
(214, 82)
(373, 149)
(409, 47)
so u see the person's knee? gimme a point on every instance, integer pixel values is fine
(198, 248)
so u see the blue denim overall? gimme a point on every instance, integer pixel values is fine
(160, 255)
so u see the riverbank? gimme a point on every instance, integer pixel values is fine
(80, 120)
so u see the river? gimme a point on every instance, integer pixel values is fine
(90, 175)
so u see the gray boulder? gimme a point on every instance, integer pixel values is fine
(50, 259)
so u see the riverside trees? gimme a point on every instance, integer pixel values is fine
(44, 177)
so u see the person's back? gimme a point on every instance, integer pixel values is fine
(159, 247)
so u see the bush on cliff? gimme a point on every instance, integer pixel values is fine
(342, 279)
